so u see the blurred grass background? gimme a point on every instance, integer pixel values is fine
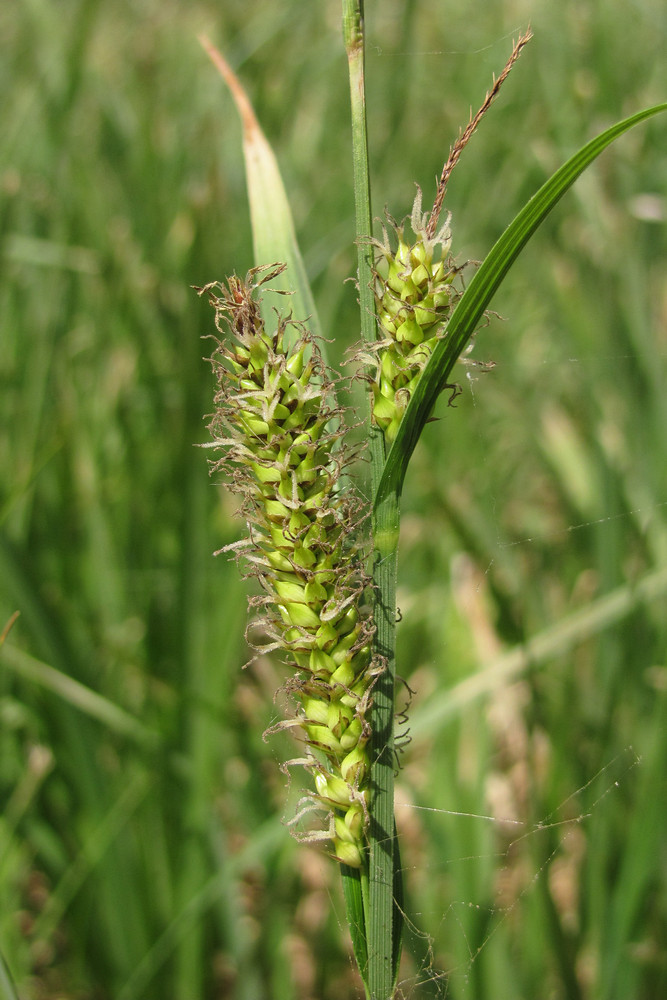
(142, 852)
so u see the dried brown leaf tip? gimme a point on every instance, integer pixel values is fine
(283, 450)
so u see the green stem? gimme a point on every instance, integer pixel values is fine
(381, 918)
(353, 33)
(377, 885)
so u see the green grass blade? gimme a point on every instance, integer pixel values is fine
(273, 233)
(354, 911)
(260, 849)
(75, 693)
(557, 640)
(479, 293)
(7, 991)
(92, 852)
(398, 909)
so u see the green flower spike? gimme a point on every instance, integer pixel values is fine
(281, 438)
(414, 296)
(414, 289)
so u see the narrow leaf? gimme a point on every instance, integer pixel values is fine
(398, 908)
(558, 640)
(354, 910)
(7, 990)
(274, 239)
(478, 295)
(115, 718)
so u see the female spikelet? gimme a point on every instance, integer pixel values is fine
(281, 438)
(414, 296)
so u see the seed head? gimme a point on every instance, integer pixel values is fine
(414, 294)
(282, 442)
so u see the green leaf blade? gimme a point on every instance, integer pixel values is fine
(356, 921)
(479, 293)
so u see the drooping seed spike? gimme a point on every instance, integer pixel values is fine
(280, 439)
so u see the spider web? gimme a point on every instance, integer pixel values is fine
(432, 980)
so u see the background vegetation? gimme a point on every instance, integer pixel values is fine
(141, 847)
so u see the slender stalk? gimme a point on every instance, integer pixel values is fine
(378, 883)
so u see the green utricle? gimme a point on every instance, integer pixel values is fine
(414, 298)
(280, 437)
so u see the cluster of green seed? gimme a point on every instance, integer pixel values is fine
(414, 298)
(280, 434)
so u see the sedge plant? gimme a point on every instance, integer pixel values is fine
(324, 558)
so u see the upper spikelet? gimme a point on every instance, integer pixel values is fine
(414, 296)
